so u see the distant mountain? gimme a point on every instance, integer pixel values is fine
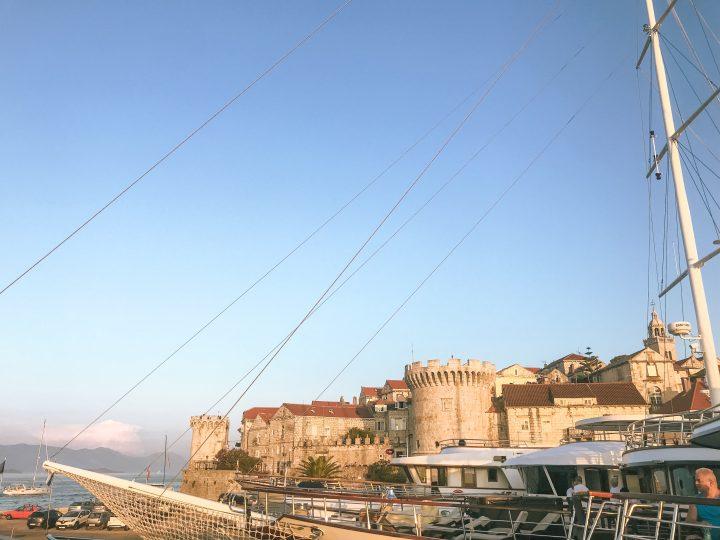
(21, 457)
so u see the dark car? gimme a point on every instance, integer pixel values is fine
(312, 484)
(44, 519)
(97, 520)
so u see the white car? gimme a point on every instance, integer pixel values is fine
(72, 520)
(115, 523)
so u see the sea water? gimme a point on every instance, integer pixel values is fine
(63, 491)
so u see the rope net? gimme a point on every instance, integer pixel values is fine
(155, 515)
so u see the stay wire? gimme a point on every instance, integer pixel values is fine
(474, 226)
(409, 219)
(290, 253)
(705, 145)
(705, 23)
(707, 40)
(440, 150)
(699, 160)
(175, 148)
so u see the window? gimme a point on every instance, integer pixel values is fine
(525, 425)
(655, 396)
(327, 431)
(660, 482)
(397, 424)
(446, 404)
(652, 370)
(492, 474)
(438, 476)
(380, 425)
(468, 477)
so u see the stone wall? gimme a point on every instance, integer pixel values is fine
(353, 456)
(545, 426)
(208, 484)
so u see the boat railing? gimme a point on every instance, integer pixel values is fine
(360, 487)
(462, 518)
(667, 429)
(639, 515)
(480, 443)
(580, 435)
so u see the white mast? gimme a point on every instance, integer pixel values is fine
(686, 226)
(37, 459)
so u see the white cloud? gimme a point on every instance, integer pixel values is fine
(125, 438)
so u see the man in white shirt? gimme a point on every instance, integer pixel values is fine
(577, 487)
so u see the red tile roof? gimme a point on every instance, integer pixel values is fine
(303, 409)
(533, 369)
(543, 395)
(369, 391)
(397, 384)
(691, 400)
(251, 414)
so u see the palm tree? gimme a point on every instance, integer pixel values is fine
(319, 467)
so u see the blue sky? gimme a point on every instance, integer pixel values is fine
(96, 91)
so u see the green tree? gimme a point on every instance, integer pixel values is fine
(355, 432)
(587, 366)
(319, 467)
(382, 471)
(236, 460)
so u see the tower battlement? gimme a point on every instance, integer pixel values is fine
(454, 372)
(209, 436)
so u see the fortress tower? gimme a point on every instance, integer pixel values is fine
(450, 401)
(213, 428)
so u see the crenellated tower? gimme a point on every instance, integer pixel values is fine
(451, 401)
(213, 428)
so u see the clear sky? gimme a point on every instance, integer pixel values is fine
(94, 92)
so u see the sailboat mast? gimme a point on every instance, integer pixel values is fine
(37, 459)
(686, 226)
(164, 460)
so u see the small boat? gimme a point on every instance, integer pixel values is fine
(22, 490)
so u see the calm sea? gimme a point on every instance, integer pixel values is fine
(63, 493)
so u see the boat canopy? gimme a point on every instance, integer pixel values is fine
(617, 422)
(596, 453)
(707, 434)
(464, 457)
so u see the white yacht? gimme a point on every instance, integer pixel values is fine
(473, 468)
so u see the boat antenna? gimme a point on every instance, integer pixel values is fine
(683, 207)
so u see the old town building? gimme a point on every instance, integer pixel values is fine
(652, 369)
(542, 414)
(279, 435)
(515, 374)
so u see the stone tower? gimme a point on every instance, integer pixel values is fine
(450, 401)
(213, 428)
(659, 340)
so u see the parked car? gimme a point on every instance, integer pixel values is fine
(312, 484)
(115, 523)
(44, 519)
(72, 520)
(21, 512)
(97, 520)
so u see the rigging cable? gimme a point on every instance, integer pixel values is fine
(476, 224)
(407, 220)
(175, 148)
(504, 68)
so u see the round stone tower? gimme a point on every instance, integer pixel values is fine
(450, 401)
(213, 428)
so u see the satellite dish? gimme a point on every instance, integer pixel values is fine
(680, 328)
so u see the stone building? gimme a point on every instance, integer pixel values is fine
(368, 394)
(209, 436)
(541, 414)
(515, 374)
(652, 369)
(278, 435)
(451, 401)
(567, 365)
(394, 390)
(552, 376)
